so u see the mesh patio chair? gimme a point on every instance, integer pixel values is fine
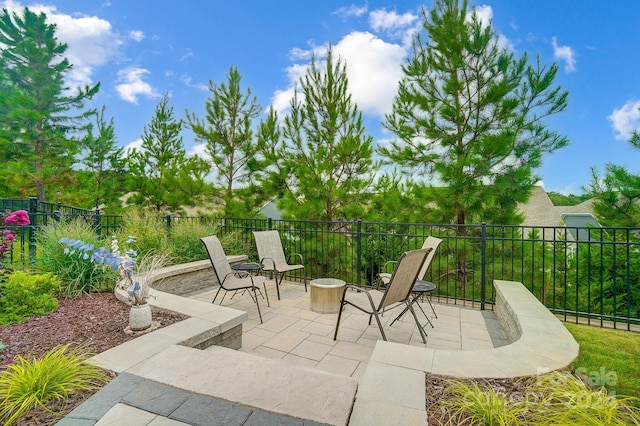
(421, 287)
(271, 255)
(397, 292)
(229, 279)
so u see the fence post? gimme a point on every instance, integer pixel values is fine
(33, 218)
(483, 267)
(97, 222)
(269, 224)
(168, 224)
(359, 252)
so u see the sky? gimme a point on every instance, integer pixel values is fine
(140, 50)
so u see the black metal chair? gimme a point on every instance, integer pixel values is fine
(397, 292)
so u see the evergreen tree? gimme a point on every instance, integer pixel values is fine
(617, 193)
(324, 160)
(469, 115)
(105, 161)
(39, 121)
(163, 178)
(227, 133)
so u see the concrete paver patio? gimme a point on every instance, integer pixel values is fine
(293, 333)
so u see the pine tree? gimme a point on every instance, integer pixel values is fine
(227, 133)
(163, 178)
(42, 115)
(326, 158)
(469, 115)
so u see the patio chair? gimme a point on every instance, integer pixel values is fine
(421, 287)
(271, 255)
(397, 292)
(229, 279)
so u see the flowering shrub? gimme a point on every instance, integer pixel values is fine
(17, 218)
(134, 276)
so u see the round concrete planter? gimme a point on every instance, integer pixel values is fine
(140, 317)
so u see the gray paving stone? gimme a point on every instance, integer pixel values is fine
(66, 421)
(201, 411)
(102, 401)
(262, 418)
(156, 398)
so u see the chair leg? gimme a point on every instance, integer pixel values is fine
(335, 335)
(266, 294)
(216, 296)
(304, 277)
(257, 304)
(415, 317)
(384, 337)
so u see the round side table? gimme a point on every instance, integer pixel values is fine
(326, 294)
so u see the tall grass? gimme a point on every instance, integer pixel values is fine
(30, 383)
(77, 274)
(148, 229)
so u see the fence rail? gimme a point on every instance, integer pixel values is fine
(586, 274)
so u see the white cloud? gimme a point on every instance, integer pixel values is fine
(200, 150)
(187, 80)
(91, 40)
(484, 14)
(374, 70)
(564, 53)
(131, 85)
(625, 120)
(353, 10)
(137, 145)
(136, 35)
(395, 26)
(373, 64)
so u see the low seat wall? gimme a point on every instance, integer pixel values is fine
(538, 343)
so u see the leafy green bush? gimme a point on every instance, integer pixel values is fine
(26, 295)
(77, 272)
(27, 384)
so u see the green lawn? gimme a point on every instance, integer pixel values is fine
(609, 357)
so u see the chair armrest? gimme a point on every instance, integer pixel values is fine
(238, 274)
(388, 262)
(264, 262)
(299, 256)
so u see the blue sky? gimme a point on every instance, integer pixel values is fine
(142, 49)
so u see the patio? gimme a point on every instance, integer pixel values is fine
(293, 333)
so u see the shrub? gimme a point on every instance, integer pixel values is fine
(26, 295)
(149, 230)
(184, 240)
(77, 273)
(27, 384)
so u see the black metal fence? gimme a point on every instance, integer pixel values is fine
(585, 274)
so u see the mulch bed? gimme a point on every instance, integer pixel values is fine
(96, 321)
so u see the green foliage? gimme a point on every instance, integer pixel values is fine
(185, 243)
(163, 178)
(27, 295)
(616, 196)
(468, 403)
(148, 229)
(555, 398)
(105, 164)
(567, 200)
(38, 114)
(76, 273)
(322, 156)
(469, 115)
(567, 400)
(608, 358)
(228, 137)
(30, 383)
